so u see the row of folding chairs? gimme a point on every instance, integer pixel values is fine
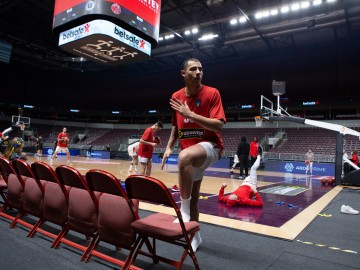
(97, 206)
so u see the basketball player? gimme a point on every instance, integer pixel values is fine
(236, 162)
(247, 193)
(62, 146)
(133, 153)
(309, 160)
(146, 148)
(39, 147)
(198, 118)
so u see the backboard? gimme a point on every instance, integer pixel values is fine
(266, 108)
(269, 112)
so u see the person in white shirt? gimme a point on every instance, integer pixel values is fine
(133, 153)
(309, 160)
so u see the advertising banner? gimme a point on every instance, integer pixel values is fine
(104, 42)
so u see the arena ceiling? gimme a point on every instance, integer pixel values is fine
(27, 25)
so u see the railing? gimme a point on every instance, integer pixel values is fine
(288, 156)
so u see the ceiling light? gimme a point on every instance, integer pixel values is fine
(266, 13)
(233, 21)
(305, 4)
(208, 36)
(258, 15)
(285, 9)
(317, 2)
(187, 32)
(274, 12)
(242, 19)
(295, 7)
(194, 30)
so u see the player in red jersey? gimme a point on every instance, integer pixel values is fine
(146, 148)
(62, 146)
(198, 118)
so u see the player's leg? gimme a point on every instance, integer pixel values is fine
(254, 167)
(54, 155)
(143, 162)
(148, 167)
(136, 162)
(131, 164)
(68, 156)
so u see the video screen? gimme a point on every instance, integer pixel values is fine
(143, 15)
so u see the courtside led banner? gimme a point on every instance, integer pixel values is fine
(143, 15)
(104, 42)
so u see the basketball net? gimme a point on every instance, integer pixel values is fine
(258, 121)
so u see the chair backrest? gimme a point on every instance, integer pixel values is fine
(116, 210)
(22, 167)
(34, 189)
(15, 184)
(6, 168)
(55, 207)
(82, 211)
(149, 189)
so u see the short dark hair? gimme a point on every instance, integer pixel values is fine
(159, 124)
(184, 64)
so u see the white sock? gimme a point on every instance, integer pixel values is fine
(130, 167)
(185, 210)
(196, 241)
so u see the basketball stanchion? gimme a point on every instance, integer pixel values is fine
(258, 121)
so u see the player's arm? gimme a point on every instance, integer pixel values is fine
(257, 202)
(171, 142)
(147, 142)
(221, 193)
(207, 123)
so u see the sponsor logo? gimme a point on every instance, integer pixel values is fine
(89, 5)
(130, 37)
(116, 8)
(50, 151)
(198, 103)
(191, 133)
(289, 167)
(75, 33)
(247, 106)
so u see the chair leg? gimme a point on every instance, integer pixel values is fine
(3, 196)
(13, 224)
(191, 252)
(132, 255)
(88, 252)
(36, 226)
(62, 234)
(3, 208)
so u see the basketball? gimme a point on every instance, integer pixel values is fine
(307, 162)
(331, 181)
(157, 140)
(324, 181)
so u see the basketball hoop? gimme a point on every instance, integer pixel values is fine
(258, 121)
